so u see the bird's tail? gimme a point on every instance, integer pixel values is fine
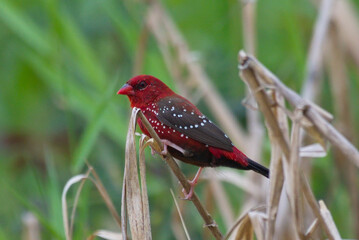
(252, 165)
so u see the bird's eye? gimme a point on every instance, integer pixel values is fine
(141, 85)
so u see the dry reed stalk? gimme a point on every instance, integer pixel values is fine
(347, 23)
(314, 63)
(209, 221)
(340, 91)
(293, 176)
(188, 72)
(329, 220)
(275, 131)
(250, 76)
(276, 169)
(317, 116)
(276, 184)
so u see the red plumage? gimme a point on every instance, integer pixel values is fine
(190, 136)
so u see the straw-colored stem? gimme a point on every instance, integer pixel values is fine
(317, 116)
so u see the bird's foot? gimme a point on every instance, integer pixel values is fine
(193, 183)
(167, 143)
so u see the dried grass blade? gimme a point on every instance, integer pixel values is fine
(105, 196)
(235, 225)
(133, 192)
(311, 229)
(145, 204)
(77, 197)
(329, 220)
(180, 215)
(245, 229)
(108, 235)
(123, 206)
(315, 150)
(257, 220)
(314, 206)
(333, 135)
(69, 183)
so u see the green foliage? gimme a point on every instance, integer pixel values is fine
(61, 63)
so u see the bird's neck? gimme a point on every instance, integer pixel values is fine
(144, 101)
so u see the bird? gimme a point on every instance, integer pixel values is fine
(186, 133)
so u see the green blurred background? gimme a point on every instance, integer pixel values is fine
(61, 63)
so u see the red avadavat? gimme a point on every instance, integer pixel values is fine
(185, 132)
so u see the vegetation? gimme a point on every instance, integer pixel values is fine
(63, 61)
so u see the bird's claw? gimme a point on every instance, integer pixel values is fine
(188, 196)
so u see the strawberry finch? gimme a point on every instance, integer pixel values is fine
(185, 132)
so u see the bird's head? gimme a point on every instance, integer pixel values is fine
(144, 89)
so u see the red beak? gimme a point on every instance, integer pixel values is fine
(126, 90)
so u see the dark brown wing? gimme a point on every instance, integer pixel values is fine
(184, 117)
